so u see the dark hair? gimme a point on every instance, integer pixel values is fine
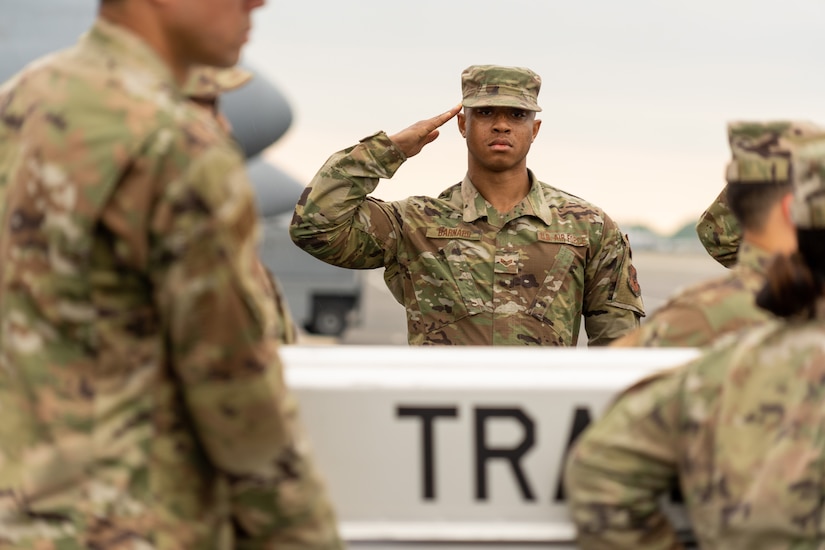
(751, 202)
(795, 282)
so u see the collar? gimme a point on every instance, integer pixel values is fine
(754, 258)
(129, 54)
(534, 204)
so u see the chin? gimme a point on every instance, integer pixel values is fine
(222, 60)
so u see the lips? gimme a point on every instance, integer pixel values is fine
(500, 143)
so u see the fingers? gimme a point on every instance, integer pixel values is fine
(430, 137)
(439, 120)
(430, 130)
(411, 140)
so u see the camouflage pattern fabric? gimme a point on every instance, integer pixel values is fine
(742, 428)
(212, 82)
(143, 401)
(761, 153)
(286, 331)
(808, 205)
(494, 85)
(702, 313)
(204, 86)
(465, 273)
(720, 232)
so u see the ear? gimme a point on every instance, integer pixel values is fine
(462, 124)
(536, 126)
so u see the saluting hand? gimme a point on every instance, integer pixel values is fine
(411, 140)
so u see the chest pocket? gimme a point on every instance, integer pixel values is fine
(444, 279)
(555, 305)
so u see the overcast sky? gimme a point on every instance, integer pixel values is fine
(636, 93)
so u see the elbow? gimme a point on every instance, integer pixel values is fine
(302, 233)
(296, 232)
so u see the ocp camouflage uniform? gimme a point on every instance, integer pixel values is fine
(704, 312)
(204, 87)
(718, 229)
(742, 426)
(741, 430)
(143, 402)
(465, 273)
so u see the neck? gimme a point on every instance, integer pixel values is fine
(503, 190)
(778, 236)
(134, 17)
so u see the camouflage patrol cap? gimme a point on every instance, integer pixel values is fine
(762, 150)
(210, 82)
(497, 86)
(808, 205)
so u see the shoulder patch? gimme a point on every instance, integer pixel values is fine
(633, 281)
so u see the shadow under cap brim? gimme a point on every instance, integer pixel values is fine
(501, 101)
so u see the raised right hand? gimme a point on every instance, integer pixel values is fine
(411, 140)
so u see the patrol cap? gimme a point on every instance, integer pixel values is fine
(497, 86)
(808, 204)
(761, 151)
(210, 82)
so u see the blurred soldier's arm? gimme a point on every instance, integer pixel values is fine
(674, 325)
(720, 232)
(629, 340)
(220, 326)
(612, 301)
(621, 466)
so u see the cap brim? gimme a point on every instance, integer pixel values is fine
(501, 101)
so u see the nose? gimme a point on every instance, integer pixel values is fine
(501, 123)
(254, 4)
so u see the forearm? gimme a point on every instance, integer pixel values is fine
(613, 302)
(221, 337)
(720, 232)
(609, 324)
(614, 512)
(250, 431)
(622, 465)
(678, 325)
(334, 220)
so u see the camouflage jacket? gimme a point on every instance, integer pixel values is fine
(142, 395)
(719, 231)
(465, 273)
(204, 88)
(741, 427)
(702, 313)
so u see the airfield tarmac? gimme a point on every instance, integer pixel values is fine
(382, 320)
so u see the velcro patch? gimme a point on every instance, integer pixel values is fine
(633, 281)
(562, 238)
(453, 233)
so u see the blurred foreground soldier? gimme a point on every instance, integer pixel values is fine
(759, 192)
(718, 229)
(741, 426)
(204, 87)
(497, 259)
(143, 403)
